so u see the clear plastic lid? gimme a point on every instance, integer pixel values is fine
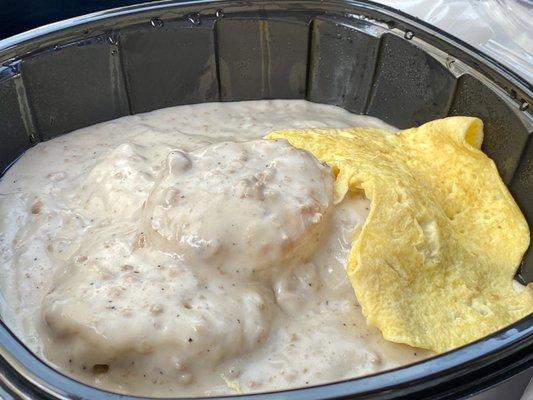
(502, 29)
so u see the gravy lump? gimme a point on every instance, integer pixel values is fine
(244, 206)
(175, 253)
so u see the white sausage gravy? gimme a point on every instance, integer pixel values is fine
(177, 253)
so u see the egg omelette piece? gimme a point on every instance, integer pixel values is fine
(434, 262)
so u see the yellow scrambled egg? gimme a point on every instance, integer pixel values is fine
(433, 264)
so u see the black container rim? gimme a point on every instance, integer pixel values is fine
(494, 69)
(460, 372)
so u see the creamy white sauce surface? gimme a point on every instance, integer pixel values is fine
(176, 253)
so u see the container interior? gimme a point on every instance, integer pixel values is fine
(97, 71)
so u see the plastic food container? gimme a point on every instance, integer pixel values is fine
(358, 55)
